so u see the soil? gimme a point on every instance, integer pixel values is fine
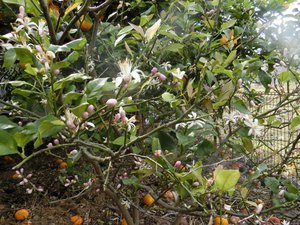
(57, 203)
(49, 207)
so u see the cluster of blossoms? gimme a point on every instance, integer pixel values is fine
(234, 117)
(121, 115)
(73, 122)
(19, 174)
(28, 28)
(194, 121)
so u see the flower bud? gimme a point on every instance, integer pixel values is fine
(239, 83)
(111, 102)
(85, 115)
(196, 184)
(117, 117)
(39, 48)
(90, 109)
(70, 124)
(21, 12)
(56, 141)
(49, 145)
(177, 164)
(162, 77)
(157, 153)
(56, 72)
(154, 70)
(74, 152)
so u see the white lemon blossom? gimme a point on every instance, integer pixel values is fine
(231, 117)
(189, 124)
(255, 128)
(127, 72)
(178, 73)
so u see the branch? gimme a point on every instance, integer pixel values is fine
(81, 11)
(21, 109)
(100, 7)
(41, 151)
(49, 21)
(95, 145)
(109, 191)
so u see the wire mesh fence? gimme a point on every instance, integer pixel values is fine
(279, 144)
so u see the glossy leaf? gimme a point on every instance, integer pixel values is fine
(225, 180)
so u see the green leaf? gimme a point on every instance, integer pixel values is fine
(286, 76)
(290, 196)
(259, 170)
(184, 139)
(72, 57)
(155, 144)
(125, 30)
(94, 87)
(204, 149)
(22, 54)
(226, 92)
(8, 144)
(272, 183)
(33, 7)
(240, 105)
(174, 47)
(48, 126)
(23, 139)
(145, 19)
(120, 141)
(168, 97)
(264, 78)
(151, 31)
(76, 44)
(295, 123)
(230, 58)
(248, 145)
(75, 77)
(133, 180)
(17, 2)
(228, 24)
(291, 188)
(6, 123)
(16, 83)
(225, 180)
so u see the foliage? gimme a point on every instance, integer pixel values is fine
(168, 92)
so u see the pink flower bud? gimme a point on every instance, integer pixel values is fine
(154, 70)
(177, 164)
(85, 115)
(210, 181)
(111, 102)
(49, 145)
(56, 141)
(90, 109)
(74, 152)
(117, 117)
(162, 77)
(21, 12)
(39, 48)
(70, 124)
(157, 153)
